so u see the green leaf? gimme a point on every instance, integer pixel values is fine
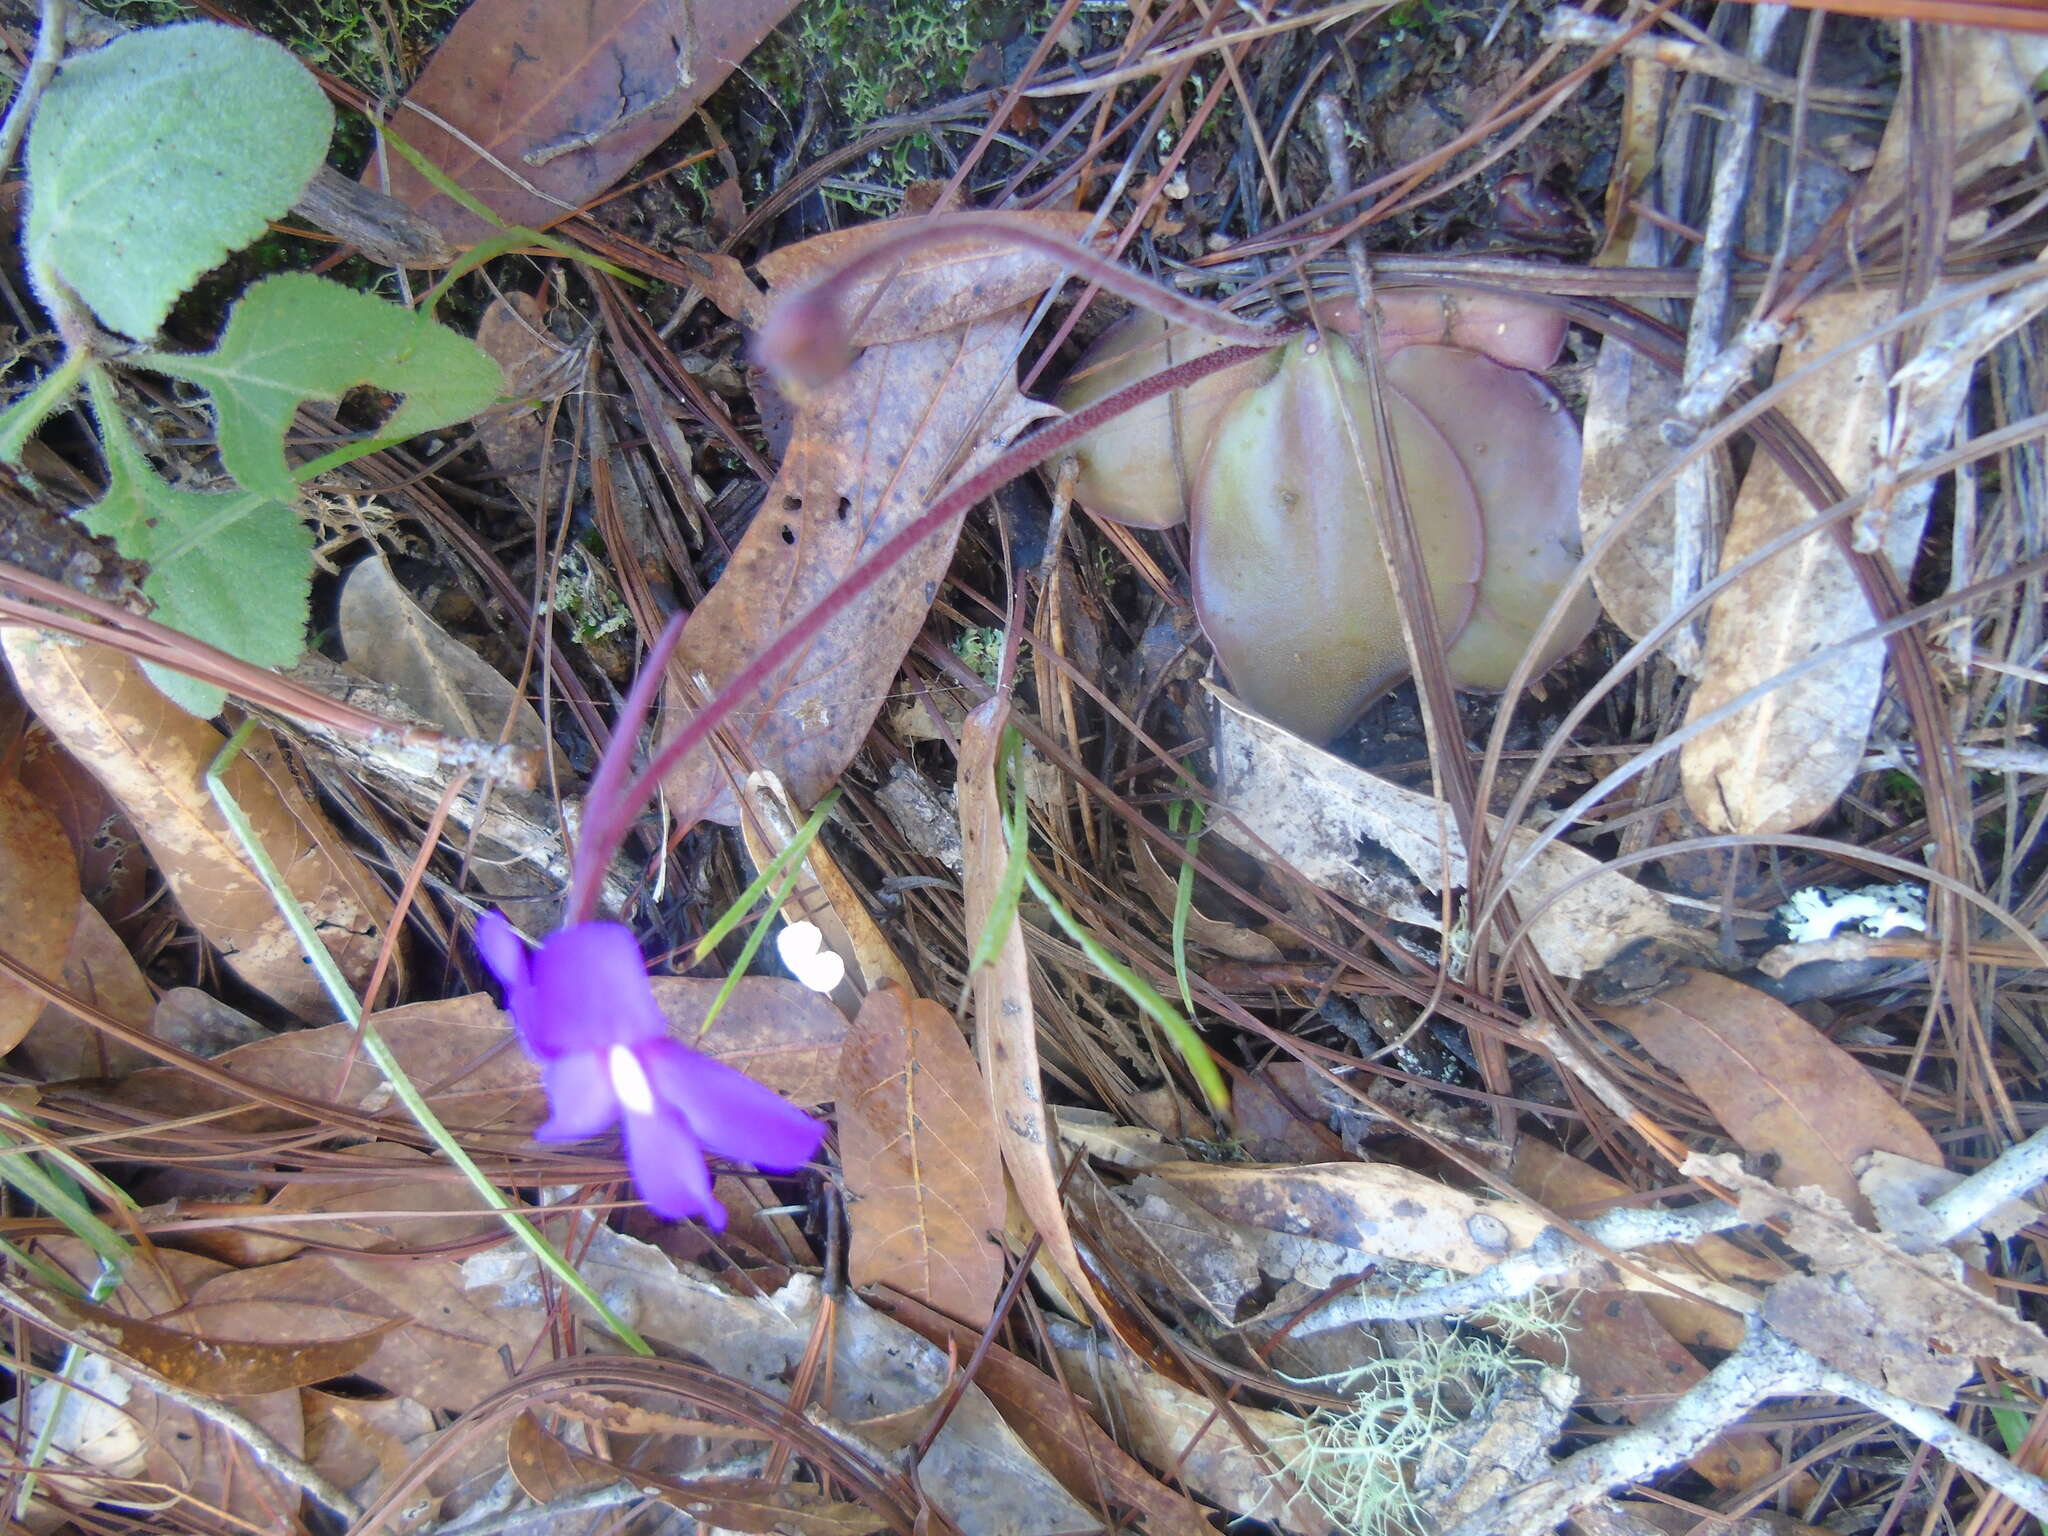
(234, 569)
(19, 422)
(298, 337)
(153, 157)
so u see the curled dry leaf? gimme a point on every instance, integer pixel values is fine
(940, 285)
(152, 756)
(1777, 1085)
(390, 638)
(870, 452)
(422, 1334)
(1903, 1322)
(1277, 795)
(1782, 762)
(1059, 1427)
(39, 894)
(1321, 1222)
(99, 972)
(977, 1473)
(1180, 1433)
(175, 1348)
(535, 108)
(924, 1179)
(1005, 1025)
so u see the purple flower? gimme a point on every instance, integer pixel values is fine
(587, 1016)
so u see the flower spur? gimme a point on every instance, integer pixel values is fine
(587, 1016)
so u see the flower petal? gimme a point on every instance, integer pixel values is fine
(668, 1168)
(732, 1115)
(580, 1094)
(504, 951)
(589, 993)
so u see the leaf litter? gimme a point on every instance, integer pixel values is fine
(1042, 1280)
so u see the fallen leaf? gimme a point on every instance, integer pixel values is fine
(99, 971)
(941, 284)
(363, 1445)
(977, 1473)
(152, 756)
(1342, 828)
(924, 1179)
(546, 1468)
(1005, 1025)
(1319, 1223)
(1783, 761)
(1901, 1322)
(175, 1349)
(391, 639)
(427, 1337)
(1777, 1085)
(113, 868)
(537, 368)
(563, 98)
(1180, 1434)
(1628, 399)
(1058, 1426)
(463, 1053)
(870, 453)
(39, 894)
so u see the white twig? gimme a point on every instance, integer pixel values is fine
(2008, 1177)
(1553, 1255)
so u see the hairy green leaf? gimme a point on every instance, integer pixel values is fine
(297, 337)
(234, 568)
(153, 157)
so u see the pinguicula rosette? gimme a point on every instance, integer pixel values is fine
(585, 1012)
(1289, 579)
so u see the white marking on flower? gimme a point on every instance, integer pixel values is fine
(629, 1081)
(802, 947)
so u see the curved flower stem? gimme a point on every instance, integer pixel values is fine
(387, 1062)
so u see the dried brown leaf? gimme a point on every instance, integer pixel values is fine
(546, 1468)
(391, 639)
(432, 1341)
(871, 452)
(152, 756)
(39, 894)
(1277, 795)
(99, 971)
(1902, 1322)
(463, 1053)
(176, 1349)
(1179, 1433)
(924, 1179)
(364, 1445)
(1006, 1030)
(1783, 761)
(1777, 1085)
(950, 282)
(545, 105)
(1059, 1427)
(977, 1473)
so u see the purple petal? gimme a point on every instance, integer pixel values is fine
(668, 1168)
(589, 993)
(580, 1094)
(732, 1115)
(504, 951)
